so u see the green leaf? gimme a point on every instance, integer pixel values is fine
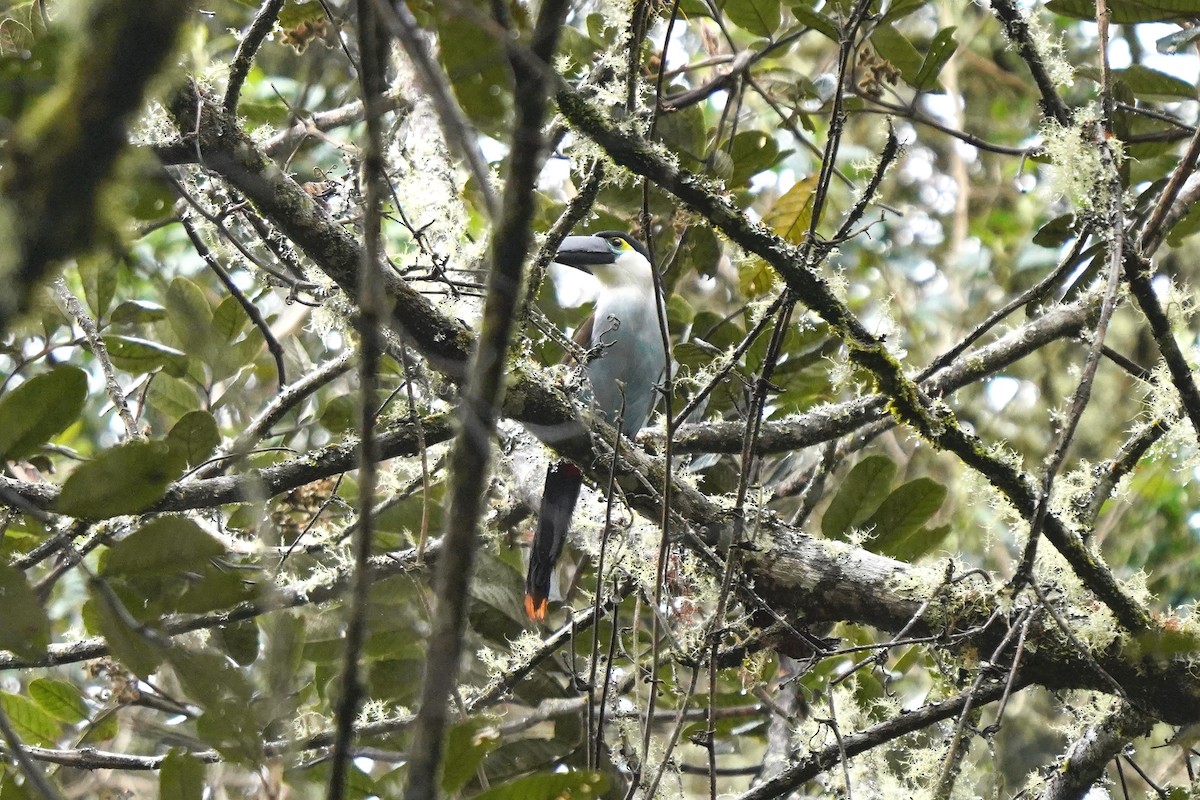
(916, 544)
(819, 22)
(11, 790)
(135, 647)
(694, 354)
(296, 13)
(40, 409)
(752, 152)
(892, 46)
(323, 651)
(755, 278)
(24, 625)
(477, 69)
(60, 699)
(137, 312)
(181, 777)
(685, 132)
(98, 274)
(213, 587)
(576, 785)
(1150, 82)
(1185, 227)
(717, 331)
(1122, 12)
(191, 318)
(194, 437)
(124, 480)
(466, 747)
(239, 354)
(898, 9)
(239, 640)
(494, 612)
(230, 319)
(580, 48)
(340, 414)
(940, 50)
(699, 251)
(233, 389)
(218, 687)
(1057, 231)
(33, 725)
(103, 728)
(860, 494)
(164, 546)
(760, 17)
(903, 513)
(264, 112)
(172, 397)
(679, 312)
(138, 356)
(147, 198)
(519, 756)
(791, 214)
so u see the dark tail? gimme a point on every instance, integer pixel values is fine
(558, 502)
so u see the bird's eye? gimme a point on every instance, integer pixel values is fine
(618, 244)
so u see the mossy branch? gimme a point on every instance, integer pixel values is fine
(62, 152)
(906, 400)
(802, 577)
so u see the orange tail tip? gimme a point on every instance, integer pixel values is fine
(535, 607)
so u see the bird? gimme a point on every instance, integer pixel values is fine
(626, 361)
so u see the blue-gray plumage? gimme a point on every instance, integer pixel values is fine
(627, 361)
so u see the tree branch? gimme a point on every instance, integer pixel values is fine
(1084, 763)
(790, 582)
(252, 39)
(1017, 29)
(832, 421)
(61, 152)
(400, 439)
(932, 420)
(851, 745)
(470, 459)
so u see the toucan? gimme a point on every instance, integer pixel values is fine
(626, 361)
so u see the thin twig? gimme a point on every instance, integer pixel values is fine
(664, 541)
(1017, 29)
(252, 39)
(288, 398)
(1114, 221)
(100, 351)
(251, 310)
(483, 393)
(596, 728)
(373, 53)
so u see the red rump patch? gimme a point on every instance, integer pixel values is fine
(535, 607)
(568, 468)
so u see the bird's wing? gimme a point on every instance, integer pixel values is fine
(583, 338)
